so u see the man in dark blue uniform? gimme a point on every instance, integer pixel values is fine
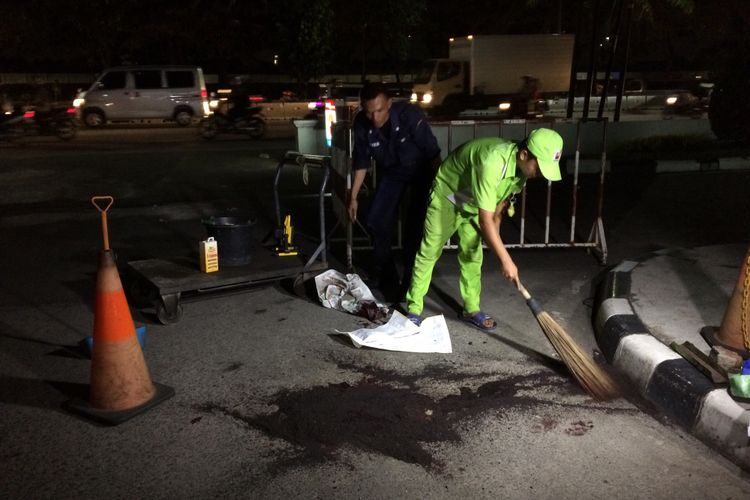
(397, 136)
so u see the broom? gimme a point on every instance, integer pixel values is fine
(588, 374)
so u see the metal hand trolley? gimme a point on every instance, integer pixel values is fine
(180, 276)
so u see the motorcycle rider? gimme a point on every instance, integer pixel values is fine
(239, 103)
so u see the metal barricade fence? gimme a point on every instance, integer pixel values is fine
(550, 230)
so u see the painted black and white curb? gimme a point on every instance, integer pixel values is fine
(662, 376)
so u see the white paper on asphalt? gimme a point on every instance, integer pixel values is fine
(400, 334)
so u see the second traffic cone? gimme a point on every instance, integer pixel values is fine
(121, 386)
(731, 330)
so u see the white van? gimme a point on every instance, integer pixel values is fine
(138, 93)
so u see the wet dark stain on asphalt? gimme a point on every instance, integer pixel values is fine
(547, 424)
(385, 414)
(579, 428)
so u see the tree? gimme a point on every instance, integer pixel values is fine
(377, 35)
(305, 34)
(93, 34)
(55, 33)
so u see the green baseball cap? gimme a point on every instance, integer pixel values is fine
(546, 145)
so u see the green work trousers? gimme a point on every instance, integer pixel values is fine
(444, 219)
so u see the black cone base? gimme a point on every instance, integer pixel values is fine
(109, 417)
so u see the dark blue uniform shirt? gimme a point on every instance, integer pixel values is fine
(409, 147)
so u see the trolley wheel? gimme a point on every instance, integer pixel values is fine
(169, 309)
(298, 285)
(167, 318)
(303, 286)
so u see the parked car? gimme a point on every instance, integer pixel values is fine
(136, 93)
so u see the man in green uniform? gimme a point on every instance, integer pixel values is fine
(473, 186)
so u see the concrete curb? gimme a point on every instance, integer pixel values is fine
(661, 375)
(735, 163)
(594, 165)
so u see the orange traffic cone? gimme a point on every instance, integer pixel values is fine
(121, 386)
(734, 332)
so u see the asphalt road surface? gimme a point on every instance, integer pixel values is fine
(269, 402)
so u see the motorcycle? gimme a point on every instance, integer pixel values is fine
(26, 121)
(12, 125)
(686, 103)
(55, 121)
(248, 121)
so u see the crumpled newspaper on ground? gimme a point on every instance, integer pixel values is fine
(348, 293)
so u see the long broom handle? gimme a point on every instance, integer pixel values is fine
(103, 210)
(534, 305)
(526, 295)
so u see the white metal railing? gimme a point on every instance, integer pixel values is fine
(528, 231)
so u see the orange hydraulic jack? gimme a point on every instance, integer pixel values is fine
(284, 236)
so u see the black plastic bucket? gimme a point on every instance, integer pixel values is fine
(235, 237)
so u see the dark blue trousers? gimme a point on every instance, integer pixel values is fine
(381, 220)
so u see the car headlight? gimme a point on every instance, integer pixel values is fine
(78, 102)
(414, 97)
(671, 100)
(213, 103)
(427, 98)
(503, 106)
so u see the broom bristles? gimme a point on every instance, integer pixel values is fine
(590, 375)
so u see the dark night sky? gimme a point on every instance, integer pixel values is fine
(227, 36)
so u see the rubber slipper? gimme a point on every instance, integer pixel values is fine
(478, 320)
(415, 318)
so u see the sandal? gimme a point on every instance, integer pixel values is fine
(479, 320)
(415, 318)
